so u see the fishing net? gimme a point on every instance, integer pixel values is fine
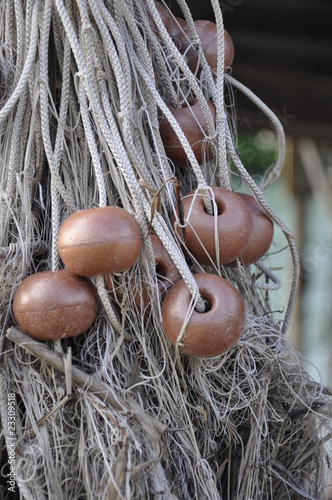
(119, 411)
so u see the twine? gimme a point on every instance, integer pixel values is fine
(127, 415)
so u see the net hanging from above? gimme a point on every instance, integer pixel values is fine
(137, 330)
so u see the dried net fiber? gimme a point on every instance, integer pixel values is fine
(120, 412)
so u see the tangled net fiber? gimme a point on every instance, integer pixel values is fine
(119, 412)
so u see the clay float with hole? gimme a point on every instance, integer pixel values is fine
(210, 333)
(53, 305)
(207, 33)
(99, 241)
(233, 227)
(261, 234)
(191, 120)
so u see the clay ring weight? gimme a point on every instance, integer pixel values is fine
(234, 227)
(209, 333)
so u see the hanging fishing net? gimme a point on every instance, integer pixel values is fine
(140, 355)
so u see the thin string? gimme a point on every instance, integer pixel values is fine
(123, 82)
(8, 41)
(109, 309)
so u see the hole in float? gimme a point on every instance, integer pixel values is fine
(160, 269)
(207, 305)
(220, 208)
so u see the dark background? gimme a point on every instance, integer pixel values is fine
(283, 52)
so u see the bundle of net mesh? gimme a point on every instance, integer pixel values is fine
(140, 355)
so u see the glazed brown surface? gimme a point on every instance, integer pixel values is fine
(99, 241)
(53, 305)
(210, 333)
(262, 232)
(192, 122)
(207, 33)
(234, 227)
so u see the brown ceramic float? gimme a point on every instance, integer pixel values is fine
(99, 241)
(209, 333)
(207, 33)
(234, 227)
(53, 305)
(262, 232)
(193, 124)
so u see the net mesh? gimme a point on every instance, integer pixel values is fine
(118, 412)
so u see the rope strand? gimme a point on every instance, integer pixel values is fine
(120, 412)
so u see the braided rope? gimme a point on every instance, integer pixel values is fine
(21, 35)
(267, 286)
(92, 138)
(116, 145)
(221, 119)
(179, 60)
(45, 33)
(290, 238)
(29, 61)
